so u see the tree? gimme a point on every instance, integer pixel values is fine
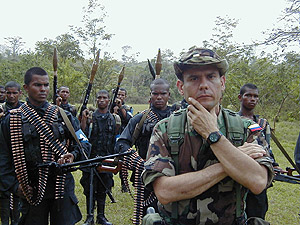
(288, 33)
(93, 33)
(14, 46)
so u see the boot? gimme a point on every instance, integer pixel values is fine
(101, 219)
(90, 217)
(89, 220)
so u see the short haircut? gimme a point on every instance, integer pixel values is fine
(102, 92)
(12, 84)
(158, 82)
(33, 71)
(60, 88)
(123, 89)
(250, 86)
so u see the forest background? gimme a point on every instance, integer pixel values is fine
(276, 74)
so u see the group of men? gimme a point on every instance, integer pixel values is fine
(201, 160)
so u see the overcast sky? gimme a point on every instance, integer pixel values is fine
(143, 25)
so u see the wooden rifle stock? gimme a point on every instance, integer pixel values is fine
(116, 166)
(54, 76)
(90, 84)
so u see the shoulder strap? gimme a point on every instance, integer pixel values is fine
(139, 126)
(235, 131)
(175, 131)
(71, 129)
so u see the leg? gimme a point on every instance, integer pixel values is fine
(4, 210)
(34, 215)
(15, 211)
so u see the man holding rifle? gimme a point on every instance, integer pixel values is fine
(63, 102)
(37, 133)
(105, 127)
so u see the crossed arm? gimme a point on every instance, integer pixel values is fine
(238, 163)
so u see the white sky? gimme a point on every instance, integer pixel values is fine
(143, 25)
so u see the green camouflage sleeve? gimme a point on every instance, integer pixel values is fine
(253, 137)
(159, 162)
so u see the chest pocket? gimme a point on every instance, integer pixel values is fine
(31, 143)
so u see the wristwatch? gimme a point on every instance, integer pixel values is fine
(214, 137)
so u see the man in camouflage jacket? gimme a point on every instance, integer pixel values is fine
(210, 168)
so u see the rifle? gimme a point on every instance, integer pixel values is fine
(98, 161)
(284, 151)
(90, 84)
(54, 76)
(289, 178)
(112, 103)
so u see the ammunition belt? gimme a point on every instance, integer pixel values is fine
(50, 147)
(135, 163)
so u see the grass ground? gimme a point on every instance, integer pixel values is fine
(284, 198)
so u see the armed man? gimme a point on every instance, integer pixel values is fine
(201, 159)
(125, 113)
(63, 100)
(13, 94)
(33, 134)
(256, 205)
(139, 129)
(105, 127)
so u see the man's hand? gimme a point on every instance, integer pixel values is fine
(118, 102)
(66, 158)
(58, 101)
(85, 113)
(203, 121)
(252, 150)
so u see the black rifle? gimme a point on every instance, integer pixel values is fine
(286, 178)
(89, 87)
(54, 76)
(93, 163)
(120, 78)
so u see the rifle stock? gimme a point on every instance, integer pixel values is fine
(120, 78)
(54, 76)
(90, 84)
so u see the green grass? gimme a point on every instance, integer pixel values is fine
(284, 198)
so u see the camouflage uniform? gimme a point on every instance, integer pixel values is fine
(217, 205)
(257, 205)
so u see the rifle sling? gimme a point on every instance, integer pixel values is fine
(284, 151)
(139, 126)
(71, 129)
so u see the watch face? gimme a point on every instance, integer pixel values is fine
(214, 137)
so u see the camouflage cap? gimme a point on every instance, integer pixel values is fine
(197, 57)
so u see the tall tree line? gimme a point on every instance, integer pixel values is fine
(276, 74)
